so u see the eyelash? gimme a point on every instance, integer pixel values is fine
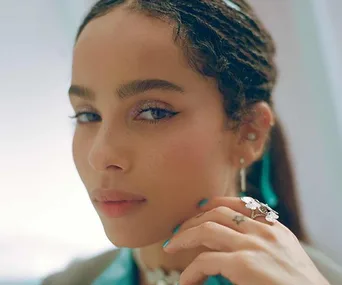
(77, 115)
(137, 113)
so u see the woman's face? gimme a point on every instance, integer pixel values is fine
(175, 156)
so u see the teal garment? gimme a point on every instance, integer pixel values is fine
(266, 187)
(124, 271)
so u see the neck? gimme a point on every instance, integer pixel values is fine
(153, 256)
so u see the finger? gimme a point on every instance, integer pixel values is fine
(238, 267)
(213, 236)
(226, 217)
(235, 204)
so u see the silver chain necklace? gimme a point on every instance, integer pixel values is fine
(158, 275)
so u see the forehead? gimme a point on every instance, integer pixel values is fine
(125, 45)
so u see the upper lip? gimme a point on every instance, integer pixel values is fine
(113, 195)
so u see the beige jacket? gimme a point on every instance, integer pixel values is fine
(84, 272)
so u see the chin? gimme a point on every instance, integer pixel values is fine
(131, 239)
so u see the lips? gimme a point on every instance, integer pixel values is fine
(113, 195)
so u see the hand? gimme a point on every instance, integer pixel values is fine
(241, 249)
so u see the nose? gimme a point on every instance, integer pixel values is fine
(109, 150)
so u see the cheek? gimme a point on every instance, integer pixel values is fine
(80, 155)
(190, 155)
(193, 162)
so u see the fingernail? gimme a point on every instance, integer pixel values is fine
(166, 243)
(203, 202)
(176, 229)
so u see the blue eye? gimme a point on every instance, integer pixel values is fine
(149, 115)
(153, 115)
(89, 117)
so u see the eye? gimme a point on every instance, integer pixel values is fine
(87, 117)
(154, 115)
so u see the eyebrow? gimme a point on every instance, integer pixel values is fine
(129, 89)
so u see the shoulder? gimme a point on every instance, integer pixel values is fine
(82, 271)
(329, 269)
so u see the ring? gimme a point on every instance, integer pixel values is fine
(263, 209)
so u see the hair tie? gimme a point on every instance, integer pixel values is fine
(232, 5)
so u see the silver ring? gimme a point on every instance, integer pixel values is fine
(260, 209)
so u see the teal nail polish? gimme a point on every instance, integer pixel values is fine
(166, 243)
(176, 229)
(203, 202)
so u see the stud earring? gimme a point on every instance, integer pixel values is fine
(251, 136)
(243, 176)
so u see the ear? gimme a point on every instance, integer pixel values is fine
(252, 136)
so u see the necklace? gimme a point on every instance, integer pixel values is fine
(158, 275)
